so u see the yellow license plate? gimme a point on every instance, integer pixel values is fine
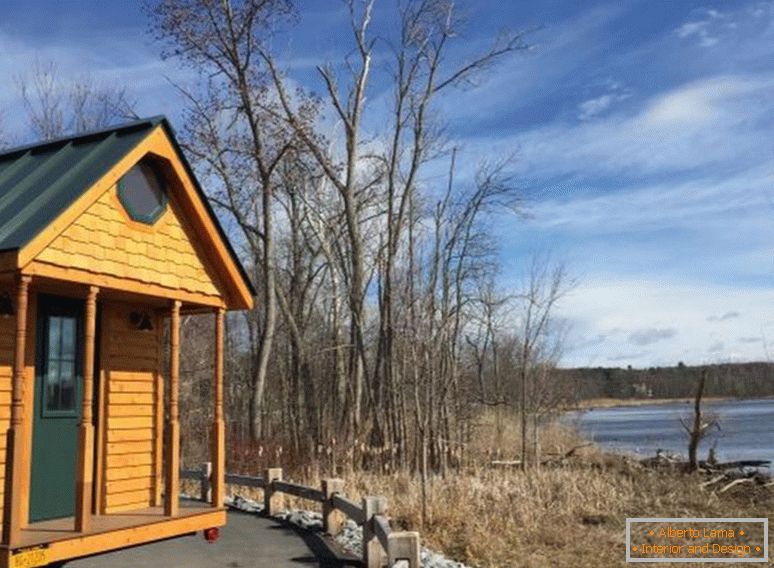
(29, 558)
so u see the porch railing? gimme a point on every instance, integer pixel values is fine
(400, 549)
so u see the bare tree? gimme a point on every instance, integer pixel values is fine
(701, 424)
(538, 347)
(420, 74)
(56, 106)
(232, 133)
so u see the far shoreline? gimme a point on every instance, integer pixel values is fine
(597, 403)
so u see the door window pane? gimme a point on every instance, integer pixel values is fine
(54, 337)
(68, 338)
(60, 365)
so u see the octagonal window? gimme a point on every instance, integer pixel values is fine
(143, 193)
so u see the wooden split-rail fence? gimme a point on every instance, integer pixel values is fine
(381, 545)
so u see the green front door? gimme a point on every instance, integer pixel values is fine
(58, 384)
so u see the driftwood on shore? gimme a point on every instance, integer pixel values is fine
(723, 476)
(736, 464)
(551, 459)
(662, 459)
(730, 474)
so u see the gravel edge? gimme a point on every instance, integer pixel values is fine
(351, 537)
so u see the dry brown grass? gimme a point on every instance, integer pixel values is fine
(567, 515)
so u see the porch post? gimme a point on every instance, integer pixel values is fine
(85, 471)
(14, 459)
(218, 426)
(172, 482)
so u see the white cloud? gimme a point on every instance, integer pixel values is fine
(672, 314)
(716, 348)
(594, 107)
(724, 317)
(715, 121)
(688, 204)
(631, 357)
(707, 30)
(650, 335)
(560, 49)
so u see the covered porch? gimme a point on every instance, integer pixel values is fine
(108, 435)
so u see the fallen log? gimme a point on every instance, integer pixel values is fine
(735, 464)
(566, 455)
(663, 459)
(552, 458)
(736, 482)
(714, 480)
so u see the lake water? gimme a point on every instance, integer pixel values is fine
(747, 428)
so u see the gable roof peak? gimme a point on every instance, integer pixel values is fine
(39, 182)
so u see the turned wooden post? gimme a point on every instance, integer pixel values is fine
(172, 482)
(218, 453)
(85, 471)
(14, 458)
(273, 501)
(373, 553)
(332, 518)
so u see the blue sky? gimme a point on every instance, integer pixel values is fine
(644, 138)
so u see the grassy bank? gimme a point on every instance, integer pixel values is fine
(568, 514)
(572, 515)
(614, 402)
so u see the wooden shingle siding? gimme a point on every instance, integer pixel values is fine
(104, 241)
(132, 363)
(7, 334)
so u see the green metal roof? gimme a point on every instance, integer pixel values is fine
(40, 181)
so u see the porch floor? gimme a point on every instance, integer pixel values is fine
(114, 531)
(63, 529)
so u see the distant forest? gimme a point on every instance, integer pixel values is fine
(740, 380)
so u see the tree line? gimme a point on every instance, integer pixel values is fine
(738, 380)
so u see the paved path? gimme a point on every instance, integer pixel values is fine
(247, 541)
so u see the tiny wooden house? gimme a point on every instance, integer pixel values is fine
(105, 239)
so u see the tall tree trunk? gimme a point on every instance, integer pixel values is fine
(270, 317)
(696, 430)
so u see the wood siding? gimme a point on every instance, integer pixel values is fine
(104, 241)
(7, 340)
(131, 366)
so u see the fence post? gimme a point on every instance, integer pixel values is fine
(373, 554)
(403, 546)
(206, 484)
(332, 519)
(273, 501)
